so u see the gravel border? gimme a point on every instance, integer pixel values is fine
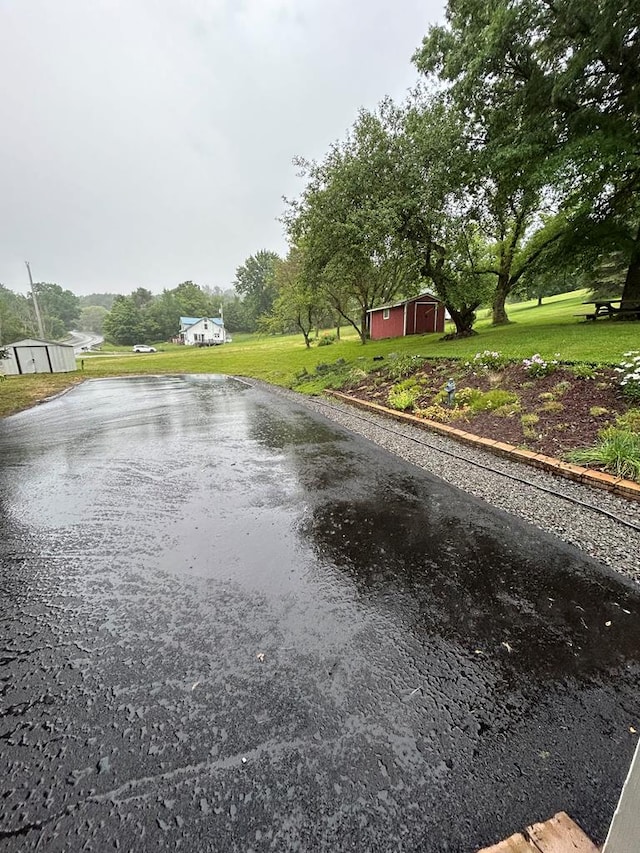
(606, 539)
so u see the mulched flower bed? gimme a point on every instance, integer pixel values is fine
(569, 409)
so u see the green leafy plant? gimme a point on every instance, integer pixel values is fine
(326, 340)
(617, 451)
(488, 360)
(561, 387)
(546, 396)
(439, 413)
(629, 421)
(403, 365)
(484, 401)
(583, 371)
(537, 366)
(528, 422)
(489, 401)
(598, 411)
(552, 406)
(403, 398)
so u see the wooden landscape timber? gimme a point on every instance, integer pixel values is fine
(559, 834)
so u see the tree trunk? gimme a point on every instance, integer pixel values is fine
(631, 291)
(499, 297)
(363, 331)
(338, 330)
(464, 320)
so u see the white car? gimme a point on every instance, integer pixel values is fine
(143, 348)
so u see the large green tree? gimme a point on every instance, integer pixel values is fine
(433, 160)
(124, 323)
(298, 303)
(555, 84)
(16, 316)
(506, 182)
(59, 309)
(92, 319)
(349, 220)
(254, 282)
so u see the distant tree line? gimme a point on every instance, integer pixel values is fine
(60, 311)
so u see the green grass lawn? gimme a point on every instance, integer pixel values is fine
(549, 329)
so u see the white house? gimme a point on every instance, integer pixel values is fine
(35, 356)
(201, 331)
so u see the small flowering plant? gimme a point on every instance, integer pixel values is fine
(537, 366)
(629, 372)
(488, 360)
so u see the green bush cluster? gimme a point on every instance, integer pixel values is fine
(484, 401)
(404, 395)
(488, 360)
(438, 413)
(584, 371)
(326, 340)
(403, 365)
(617, 450)
(537, 366)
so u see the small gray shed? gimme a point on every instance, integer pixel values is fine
(34, 356)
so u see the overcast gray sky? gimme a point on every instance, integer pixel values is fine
(146, 142)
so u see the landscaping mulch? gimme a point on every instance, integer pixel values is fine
(570, 410)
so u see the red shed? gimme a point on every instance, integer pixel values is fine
(416, 316)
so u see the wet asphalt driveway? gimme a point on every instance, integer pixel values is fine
(229, 625)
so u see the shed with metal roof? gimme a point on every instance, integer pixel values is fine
(35, 356)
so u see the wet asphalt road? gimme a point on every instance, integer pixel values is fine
(229, 625)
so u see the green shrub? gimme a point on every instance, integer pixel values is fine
(439, 413)
(618, 451)
(403, 365)
(326, 340)
(583, 371)
(403, 398)
(528, 422)
(487, 360)
(598, 411)
(508, 410)
(466, 396)
(538, 366)
(546, 395)
(529, 419)
(630, 421)
(484, 401)
(561, 387)
(488, 401)
(552, 406)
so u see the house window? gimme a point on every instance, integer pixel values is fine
(206, 325)
(385, 313)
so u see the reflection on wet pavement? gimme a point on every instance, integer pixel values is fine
(230, 625)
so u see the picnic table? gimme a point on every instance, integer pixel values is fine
(609, 308)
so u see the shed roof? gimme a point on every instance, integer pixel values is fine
(190, 321)
(36, 342)
(405, 301)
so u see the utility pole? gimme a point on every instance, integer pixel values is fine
(35, 303)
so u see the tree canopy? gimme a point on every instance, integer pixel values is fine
(553, 88)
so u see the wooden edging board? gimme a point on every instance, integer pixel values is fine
(597, 479)
(559, 834)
